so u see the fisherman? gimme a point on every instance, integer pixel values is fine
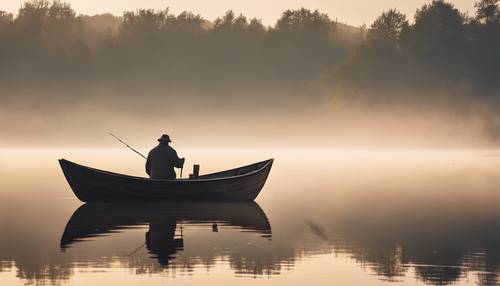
(162, 159)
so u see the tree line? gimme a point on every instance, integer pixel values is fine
(442, 48)
(47, 43)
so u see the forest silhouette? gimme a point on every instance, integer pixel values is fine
(53, 57)
(46, 43)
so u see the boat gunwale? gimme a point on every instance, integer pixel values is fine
(266, 164)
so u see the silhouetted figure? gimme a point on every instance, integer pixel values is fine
(162, 159)
(161, 242)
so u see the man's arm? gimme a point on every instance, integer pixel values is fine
(178, 162)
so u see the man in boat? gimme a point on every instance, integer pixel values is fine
(162, 159)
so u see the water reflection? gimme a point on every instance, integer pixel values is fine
(97, 219)
(438, 245)
(360, 219)
(441, 245)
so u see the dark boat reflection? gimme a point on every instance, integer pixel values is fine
(97, 219)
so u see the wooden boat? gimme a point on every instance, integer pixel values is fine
(93, 220)
(239, 184)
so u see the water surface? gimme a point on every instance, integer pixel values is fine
(324, 217)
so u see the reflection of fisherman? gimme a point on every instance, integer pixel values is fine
(161, 241)
(162, 159)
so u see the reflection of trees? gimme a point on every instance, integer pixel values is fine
(385, 261)
(256, 267)
(163, 257)
(489, 278)
(6, 265)
(439, 250)
(243, 263)
(438, 275)
(35, 270)
(440, 247)
(52, 276)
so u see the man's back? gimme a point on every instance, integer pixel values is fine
(161, 162)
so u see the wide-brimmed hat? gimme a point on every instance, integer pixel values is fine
(164, 138)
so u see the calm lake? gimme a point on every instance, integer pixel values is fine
(325, 217)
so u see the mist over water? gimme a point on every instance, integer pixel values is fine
(385, 140)
(308, 80)
(334, 124)
(425, 217)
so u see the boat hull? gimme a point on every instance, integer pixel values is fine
(93, 185)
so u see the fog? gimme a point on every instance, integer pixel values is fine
(306, 81)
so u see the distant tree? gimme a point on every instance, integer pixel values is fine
(230, 23)
(378, 59)
(31, 19)
(439, 22)
(240, 23)
(142, 25)
(60, 11)
(225, 23)
(41, 20)
(62, 28)
(304, 21)
(255, 27)
(437, 43)
(47, 36)
(488, 11)
(235, 45)
(302, 27)
(185, 22)
(5, 18)
(388, 27)
(35, 9)
(485, 43)
(300, 43)
(97, 29)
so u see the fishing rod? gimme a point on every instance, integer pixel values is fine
(134, 149)
(135, 250)
(128, 145)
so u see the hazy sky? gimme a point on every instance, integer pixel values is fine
(352, 12)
